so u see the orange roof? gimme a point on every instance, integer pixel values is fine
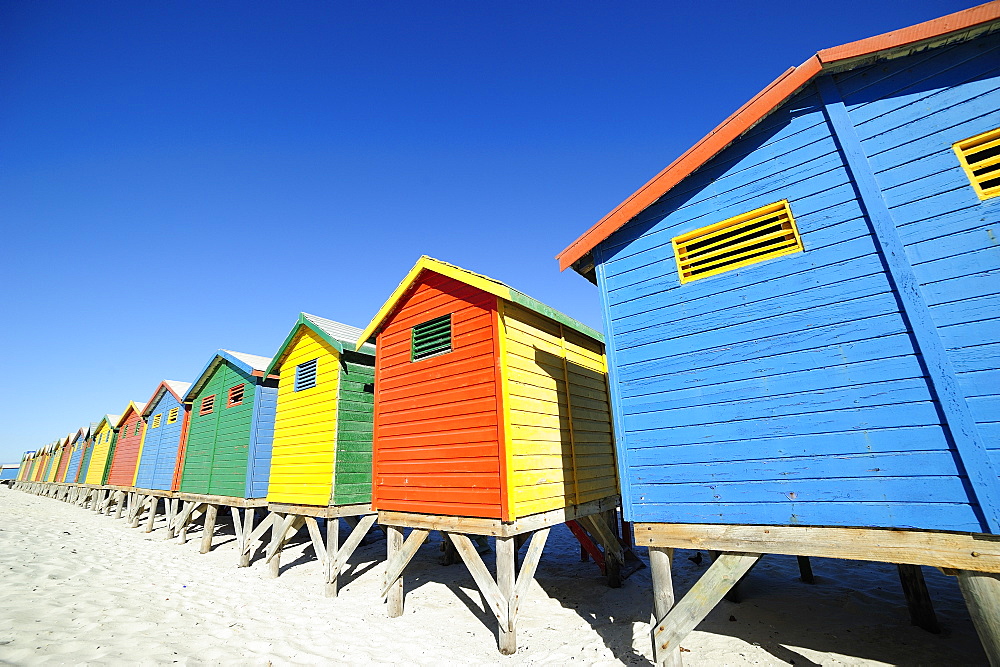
(838, 58)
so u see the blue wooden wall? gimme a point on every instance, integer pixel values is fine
(261, 440)
(796, 390)
(159, 451)
(74, 464)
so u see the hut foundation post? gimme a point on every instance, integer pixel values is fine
(283, 527)
(121, 505)
(243, 536)
(126, 501)
(918, 600)
(154, 504)
(170, 508)
(724, 573)
(506, 576)
(332, 546)
(504, 595)
(398, 554)
(138, 502)
(981, 591)
(206, 539)
(805, 570)
(660, 565)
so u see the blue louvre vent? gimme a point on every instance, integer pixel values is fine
(305, 375)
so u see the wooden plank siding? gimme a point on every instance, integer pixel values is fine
(160, 444)
(100, 453)
(437, 426)
(355, 409)
(305, 425)
(126, 454)
(559, 416)
(784, 392)
(76, 457)
(907, 119)
(64, 459)
(218, 443)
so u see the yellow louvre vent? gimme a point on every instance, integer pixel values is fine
(752, 237)
(980, 158)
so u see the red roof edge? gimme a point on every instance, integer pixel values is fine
(756, 109)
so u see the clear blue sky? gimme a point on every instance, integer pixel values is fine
(176, 177)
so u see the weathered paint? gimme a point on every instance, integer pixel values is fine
(849, 384)
(227, 451)
(161, 437)
(125, 458)
(322, 435)
(99, 454)
(485, 429)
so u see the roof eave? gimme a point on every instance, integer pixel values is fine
(960, 25)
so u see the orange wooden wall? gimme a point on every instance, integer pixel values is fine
(442, 456)
(126, 456)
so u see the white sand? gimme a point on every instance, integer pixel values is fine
(76, 587)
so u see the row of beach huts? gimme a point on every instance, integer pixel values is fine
(802, 330)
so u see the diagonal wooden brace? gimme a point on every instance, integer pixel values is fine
(527, 574)
(394, 568)
(723, 574)
(484, 580)
(352, 542)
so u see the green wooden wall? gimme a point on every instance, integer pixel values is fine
(215, 462)
(355, 406)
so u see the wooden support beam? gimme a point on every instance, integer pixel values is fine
(394, 586)
(976, 552)
(495, 600)
(343, 553)
(727, 569)
(154, 504)
(206, 538)
(316, 537)
(331, 575)
(171, 511)
(527, 573)
(918, 600)
(660, 565)
(805, 570)
(981, 591)
(398, 561)
(282, 529)
(506, 549)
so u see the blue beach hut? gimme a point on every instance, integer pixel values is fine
(166, 421)
(802, 320)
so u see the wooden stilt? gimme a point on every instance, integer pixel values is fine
(283, 527)
(506, 577)
(660, 565)
(171, 510)
(981, 591)
(249, 516)
(332, 546)
(154, 504)
(805, 570)
(918, 600)
(727, 569)
(206, 539)
(126, 501)
(394, 586)
(139, 501)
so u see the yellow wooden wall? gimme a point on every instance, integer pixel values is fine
(560, 447)
(99, 459)
(305, 426)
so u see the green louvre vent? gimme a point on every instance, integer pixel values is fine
(431, 338)
(305, 375)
